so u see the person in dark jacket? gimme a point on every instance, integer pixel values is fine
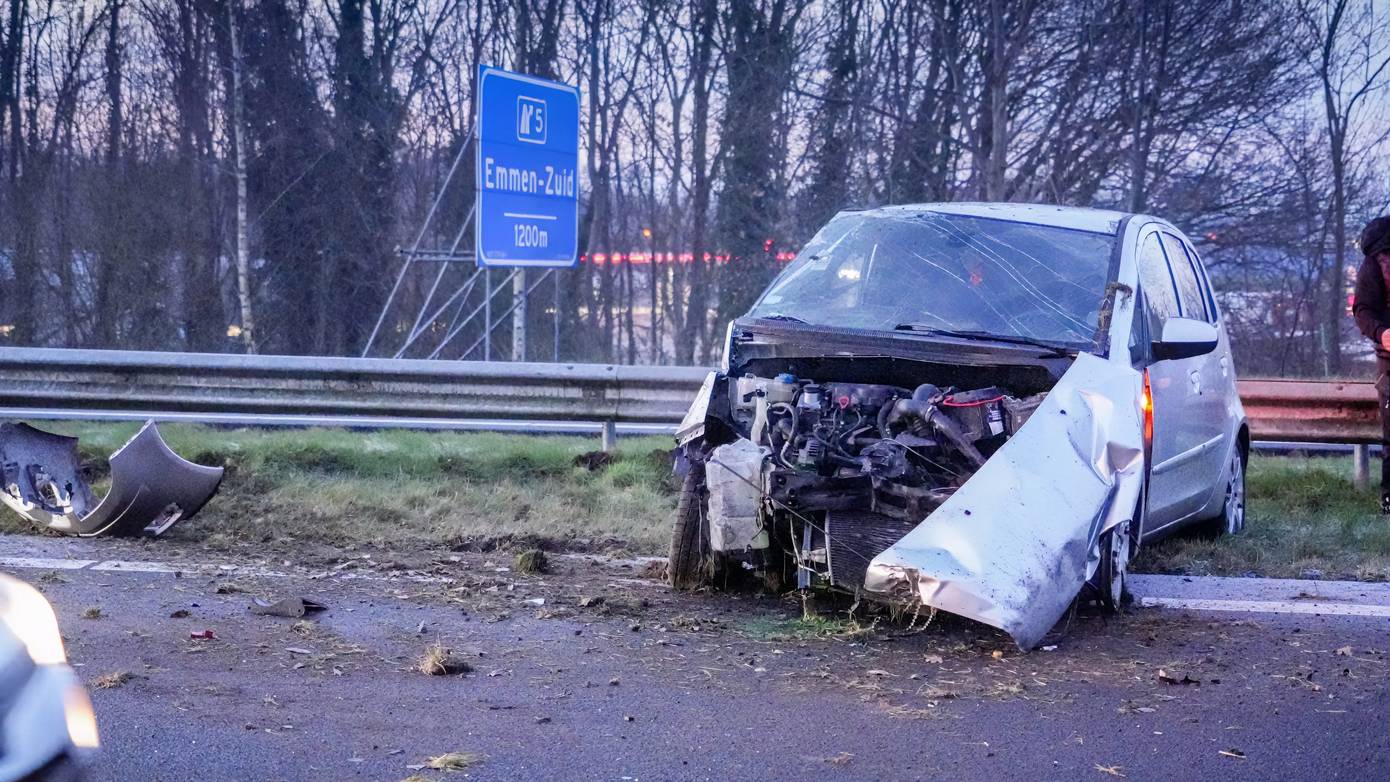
(1371, 308)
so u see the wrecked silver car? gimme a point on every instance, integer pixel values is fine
(152, 488)
(983, 409)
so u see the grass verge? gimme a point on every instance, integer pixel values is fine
(409, 489)
(1305, 518)
(295, 490)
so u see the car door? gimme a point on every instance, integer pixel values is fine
(1175, 480)
(1208, 408)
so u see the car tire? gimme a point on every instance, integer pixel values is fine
(1116, 548)
(1231, 520)
(690, 565)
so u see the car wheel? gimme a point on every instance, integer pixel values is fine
(690, 565)
(1115, 549)
(1232, 518)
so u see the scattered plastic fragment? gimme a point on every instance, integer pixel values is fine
(291, 607)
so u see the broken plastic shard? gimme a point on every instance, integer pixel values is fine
(152, 487)
(1017, 541)
(291, 607)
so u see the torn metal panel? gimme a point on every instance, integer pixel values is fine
(151, 486)
(1012, 546)
(693, 425)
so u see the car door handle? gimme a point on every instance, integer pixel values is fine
(1225, 366)
(1196, 379)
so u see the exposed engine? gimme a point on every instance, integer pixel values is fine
(839, 468)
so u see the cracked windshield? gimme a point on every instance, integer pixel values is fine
(948, 272)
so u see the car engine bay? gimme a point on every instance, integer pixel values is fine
(831, 472)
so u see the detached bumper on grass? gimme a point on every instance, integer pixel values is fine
(152, 487)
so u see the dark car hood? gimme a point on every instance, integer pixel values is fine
(755, 338)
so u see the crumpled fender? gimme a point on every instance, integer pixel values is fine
(693, 425)
(1015, 544)
(151, 486)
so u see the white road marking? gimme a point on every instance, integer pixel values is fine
(136, 567)
(1304, 607)
(45, 563)
(1267, 606)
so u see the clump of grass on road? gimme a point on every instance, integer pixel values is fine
(111, 680)
(410, 489)
(438, 660)
(1304, 519)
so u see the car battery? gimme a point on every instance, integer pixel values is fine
(980, 412)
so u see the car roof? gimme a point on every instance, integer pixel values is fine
(1076, 218)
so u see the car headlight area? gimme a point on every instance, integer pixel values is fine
(46, 717)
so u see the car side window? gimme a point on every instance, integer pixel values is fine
(1191, 300)
(1207, 291)
(1157, 283)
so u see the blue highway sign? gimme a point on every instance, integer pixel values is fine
(528, 170)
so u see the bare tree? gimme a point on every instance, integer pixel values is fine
(1352, 62)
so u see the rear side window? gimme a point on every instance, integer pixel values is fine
(1157, 283)
(1191, 299)
(1209, 295)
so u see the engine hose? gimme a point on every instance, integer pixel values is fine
(951, 431)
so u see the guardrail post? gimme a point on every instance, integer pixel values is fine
(1361, 465)
(610, 436)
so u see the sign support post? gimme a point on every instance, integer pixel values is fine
(525, 214)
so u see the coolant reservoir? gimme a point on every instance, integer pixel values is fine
(781, 389)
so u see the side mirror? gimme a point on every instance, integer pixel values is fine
(1185, 338)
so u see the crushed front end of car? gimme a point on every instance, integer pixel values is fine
(924, 467)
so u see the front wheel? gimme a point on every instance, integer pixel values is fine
(691, 564)
(1116, 546)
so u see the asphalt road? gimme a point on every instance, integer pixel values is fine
(647, 685)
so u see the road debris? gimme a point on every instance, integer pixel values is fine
(530, 561)
(91, 612)
(1232, 753)
(1114, 771)
(1168, 678)
(840, 759)
(112, 680)
(450, 761)
(202, 635)
(290, 607)
(438, 660)
(152, 488)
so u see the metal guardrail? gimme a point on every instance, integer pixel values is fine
(298, 390)
(1311, 411)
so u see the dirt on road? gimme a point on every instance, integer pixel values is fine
(594, 670)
